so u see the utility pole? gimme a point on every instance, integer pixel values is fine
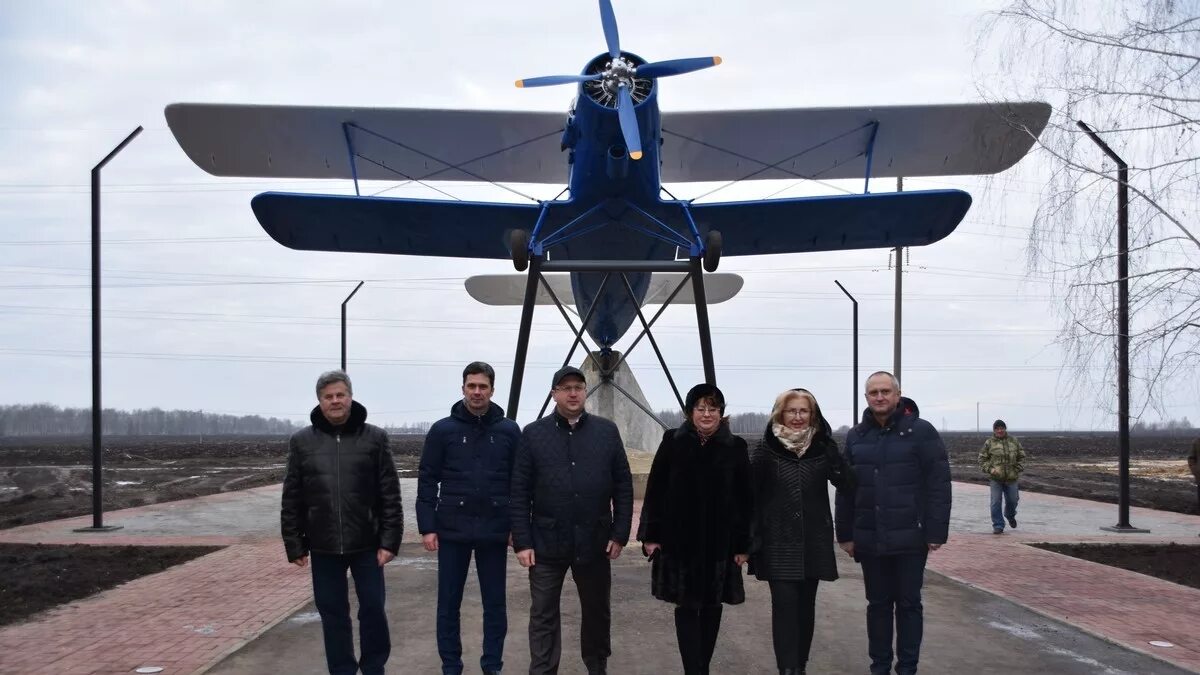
(1122, 333)
(899, 287)
(977, 427)
(97, 409)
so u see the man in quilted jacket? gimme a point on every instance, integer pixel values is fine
(571, 510)
(1003, 460)
(341, 510)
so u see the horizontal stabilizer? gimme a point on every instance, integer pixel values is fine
(509, 289)
(837, 223)
(447, 228)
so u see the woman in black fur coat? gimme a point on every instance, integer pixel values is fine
(695, 523)
(792, 527)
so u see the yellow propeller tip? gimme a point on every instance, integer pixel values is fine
(520, 84)
(635, 155)
(716, 60)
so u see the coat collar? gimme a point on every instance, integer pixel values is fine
(460, 412)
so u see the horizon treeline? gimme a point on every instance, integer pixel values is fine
(44, 419)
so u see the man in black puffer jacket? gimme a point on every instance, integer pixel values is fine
(898, 513)
(572, 506)
(462, 508)
(341, 507)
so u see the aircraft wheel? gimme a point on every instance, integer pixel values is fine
(519, 245)
(712, 251)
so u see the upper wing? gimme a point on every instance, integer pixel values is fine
(388, 143)
(383, 225)
(831, 143)
(834, 223)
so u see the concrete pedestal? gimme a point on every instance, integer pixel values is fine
(638, 430)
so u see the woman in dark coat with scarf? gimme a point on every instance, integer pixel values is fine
(792, 528)
(695, 523)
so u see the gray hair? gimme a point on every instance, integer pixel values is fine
(895, 382)
(333, 377)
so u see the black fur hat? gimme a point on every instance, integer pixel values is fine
(703, 390)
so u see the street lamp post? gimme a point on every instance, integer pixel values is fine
(854, 368)
(1122, 333)
(344, 322)
(97, 410)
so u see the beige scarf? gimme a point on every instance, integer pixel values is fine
(795, 441)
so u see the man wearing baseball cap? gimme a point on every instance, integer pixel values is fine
(571, 505)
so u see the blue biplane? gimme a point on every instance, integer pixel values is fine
(614, 218)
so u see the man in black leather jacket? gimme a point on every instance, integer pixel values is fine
(572, 506)
(341, 508)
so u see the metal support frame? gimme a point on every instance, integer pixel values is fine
(854, 370)
(870, 158)
(537, 266)
(97, 409)
(1122, 333)
(344, 322)
(346, 126)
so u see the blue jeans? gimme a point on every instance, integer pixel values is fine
(332, 595)
(454, 558)
(893, 585)
(1008, 493)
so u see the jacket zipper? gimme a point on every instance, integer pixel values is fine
(337, 495)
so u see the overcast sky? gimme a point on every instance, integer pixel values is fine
(203, 311)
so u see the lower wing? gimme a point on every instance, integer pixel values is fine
(384, 225)
(834, 223)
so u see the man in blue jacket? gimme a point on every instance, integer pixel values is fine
(899, 512)
(462, 508)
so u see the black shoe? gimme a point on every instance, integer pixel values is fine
(1012, 522)
(491, 672)
(997, 530)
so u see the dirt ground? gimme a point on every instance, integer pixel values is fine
(1174, 562)
(35, 577)
(47, 479)
(1084, 465)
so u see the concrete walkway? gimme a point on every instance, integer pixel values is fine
(244, 610)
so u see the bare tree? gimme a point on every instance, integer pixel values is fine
(1131, 70)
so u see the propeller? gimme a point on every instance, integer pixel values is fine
(618, 76)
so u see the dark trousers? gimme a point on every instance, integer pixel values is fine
(454, 559)
(793, 613)
(893, 584)
(593, 581)
(1004, 497)
(696, 630)
(332, 595)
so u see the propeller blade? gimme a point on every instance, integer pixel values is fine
(677, 66)
(629, 124)
(609, 20)
(551, 80)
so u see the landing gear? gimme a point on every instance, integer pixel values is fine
(712, 251)
(518, 243)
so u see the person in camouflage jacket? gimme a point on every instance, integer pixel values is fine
(1003, 460)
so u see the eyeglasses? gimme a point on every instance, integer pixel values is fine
(571, 388)
(707, 411)
(794, 412)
